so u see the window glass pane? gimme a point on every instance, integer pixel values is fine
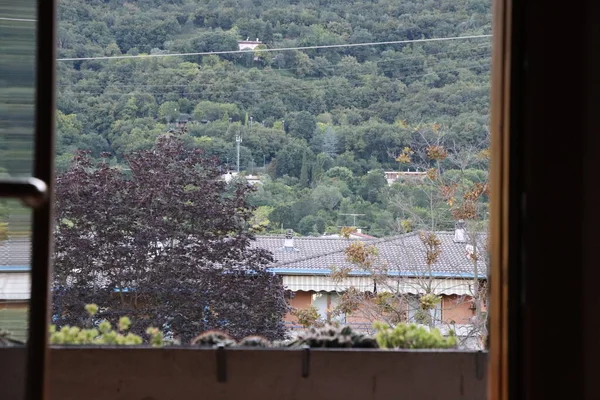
(243, 156)
(17, 83)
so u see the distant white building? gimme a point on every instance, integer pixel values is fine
(393, 176)
(248, 44)
(251, 179)
(357, 234)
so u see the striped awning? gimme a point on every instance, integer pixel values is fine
(14, 286)
(322, 283)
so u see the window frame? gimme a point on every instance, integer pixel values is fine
(36, 192)
(41, 238)
(499, 203)
(541, 100)
(37, 361)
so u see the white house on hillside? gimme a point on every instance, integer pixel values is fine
(248, 44)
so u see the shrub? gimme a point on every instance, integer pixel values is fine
(429, 301)
(254, 341)
(332, 337)
(402, 336)
(104, 334)
(412, 336)
(307, 316)
(213, 338)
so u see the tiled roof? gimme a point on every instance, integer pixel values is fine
(362, 235)
(403, 255)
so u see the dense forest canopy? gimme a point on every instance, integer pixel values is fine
(320, 125)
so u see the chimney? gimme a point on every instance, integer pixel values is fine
(288, 244)
(460, 235)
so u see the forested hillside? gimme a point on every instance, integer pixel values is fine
(323, 124)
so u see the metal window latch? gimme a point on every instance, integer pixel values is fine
(31, 191)
(305, 362)
(480, 365)
(221, 364)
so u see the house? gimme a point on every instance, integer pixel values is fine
(393, 176)
(248, 44)
(306, 263)
(14, 286)
(251, 179)
(357, 234)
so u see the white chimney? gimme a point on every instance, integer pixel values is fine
(460, 235)
(288, 243)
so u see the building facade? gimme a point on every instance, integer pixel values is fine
(306, 265)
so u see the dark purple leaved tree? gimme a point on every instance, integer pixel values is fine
(165, 242)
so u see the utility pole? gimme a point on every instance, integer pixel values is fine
(238, 140)
(354, 216)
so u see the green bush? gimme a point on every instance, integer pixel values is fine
(307, 316)
(104, 334)
(402, 336)
(412, 336)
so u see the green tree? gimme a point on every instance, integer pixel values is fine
(289, 159)
(169, 111)
(330, 142)
(211, 111)
(323, 162)
(283, 216)
(260, 220)
(301, 125)
(372, 185)
(341, 173)
(327, 197)
(68, 130)
(311, 225)
(305, 171)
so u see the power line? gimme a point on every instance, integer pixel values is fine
(329, 46)
(208, 88)
(271, 89)
(274, 70)
(324, 81)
